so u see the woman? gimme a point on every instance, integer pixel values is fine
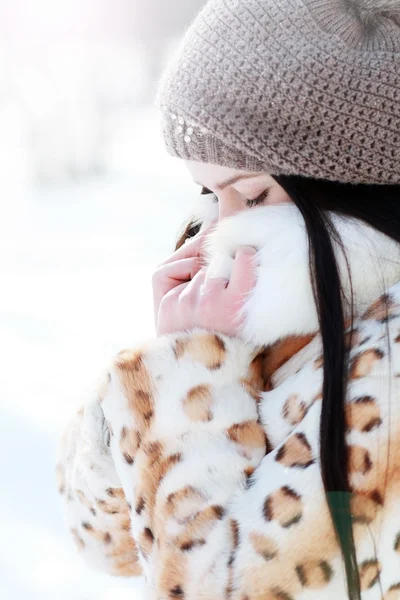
(252, 450)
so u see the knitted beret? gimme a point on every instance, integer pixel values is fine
(304, 87)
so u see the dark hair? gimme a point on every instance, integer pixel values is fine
(378, 206)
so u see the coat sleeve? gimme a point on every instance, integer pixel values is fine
(166, 441)
(95, 506)
(185, 439)
(214, 513)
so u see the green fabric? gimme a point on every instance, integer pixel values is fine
(340, 507)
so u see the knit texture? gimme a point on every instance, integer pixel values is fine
(302, 87)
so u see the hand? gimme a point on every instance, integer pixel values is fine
(180, 268)
(212, 304)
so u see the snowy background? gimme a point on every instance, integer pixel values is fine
(90, 204)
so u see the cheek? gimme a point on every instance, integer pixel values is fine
(230, 208)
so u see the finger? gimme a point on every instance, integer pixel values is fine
(178, 306)
(174, 293)
(212, 284)
(244, 270)
(180, 270)
(181, 299)
(169, 305)
(193, 288)
(192, 247)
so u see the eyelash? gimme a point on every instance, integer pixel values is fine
(259, 200)
(250, 203)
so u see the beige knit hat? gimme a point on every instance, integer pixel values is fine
(305, 87)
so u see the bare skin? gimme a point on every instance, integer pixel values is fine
(183, 298)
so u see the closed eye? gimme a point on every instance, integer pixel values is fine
(259, 200)
(249, 202)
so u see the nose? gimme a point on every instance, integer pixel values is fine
(229, 205)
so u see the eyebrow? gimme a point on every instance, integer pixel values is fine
(231, 180)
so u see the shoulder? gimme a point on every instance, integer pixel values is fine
(374, 340)
(373, 400)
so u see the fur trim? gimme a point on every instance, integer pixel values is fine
(282, 301)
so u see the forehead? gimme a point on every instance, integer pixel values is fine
(215, 176)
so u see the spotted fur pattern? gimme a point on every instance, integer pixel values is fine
(222, 490)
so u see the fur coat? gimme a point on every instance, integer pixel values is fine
(196, 460)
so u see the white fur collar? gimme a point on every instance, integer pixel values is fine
(282, 302)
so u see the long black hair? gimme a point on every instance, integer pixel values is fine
(379, 207)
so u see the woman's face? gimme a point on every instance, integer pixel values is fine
(237, 190)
